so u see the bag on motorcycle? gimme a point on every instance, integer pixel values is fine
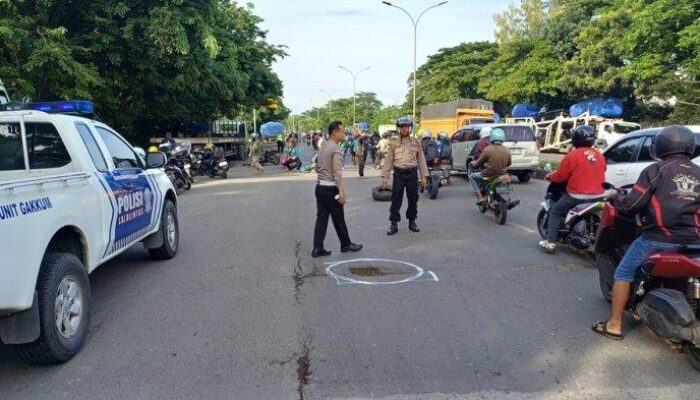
(431, 150)
(446, 153)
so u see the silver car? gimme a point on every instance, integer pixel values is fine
(520, 139)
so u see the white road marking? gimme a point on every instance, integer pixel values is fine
(524, 228)
(419, 274)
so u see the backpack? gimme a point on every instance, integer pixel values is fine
(430, 149)
(446, 153)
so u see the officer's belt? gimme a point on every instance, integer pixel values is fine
(326, 183)
(405, 170)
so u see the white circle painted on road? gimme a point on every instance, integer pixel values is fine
(415, 272)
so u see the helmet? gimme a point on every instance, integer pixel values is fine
(442, 135)
(484, 133)
(498, 135)
(673, 139)
(153, 149)
(426, 134)
(583, 136)
(404, 121)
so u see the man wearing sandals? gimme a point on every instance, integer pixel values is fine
(668, 193)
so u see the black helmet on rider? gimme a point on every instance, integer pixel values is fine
(583, 136)
(673, 139)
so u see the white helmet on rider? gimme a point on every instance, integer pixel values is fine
(484, 133)
(426, 134)
(442, 135)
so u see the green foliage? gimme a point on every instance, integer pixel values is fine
(149, 65)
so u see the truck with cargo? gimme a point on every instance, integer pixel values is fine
(452, 115)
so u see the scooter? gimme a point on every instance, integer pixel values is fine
(497, 198)
(666, 291)
(439, 176)
(581, 223)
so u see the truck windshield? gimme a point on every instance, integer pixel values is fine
(625, 128)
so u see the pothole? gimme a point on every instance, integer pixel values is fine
(372, 271)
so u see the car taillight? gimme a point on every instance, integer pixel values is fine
(609, 215)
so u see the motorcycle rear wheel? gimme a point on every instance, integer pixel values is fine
(501, 213)
(434, 187)
(606, 270)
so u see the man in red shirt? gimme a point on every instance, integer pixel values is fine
(583, 170)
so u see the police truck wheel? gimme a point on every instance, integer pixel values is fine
(170, 229)
(63, 291)
(381, 194)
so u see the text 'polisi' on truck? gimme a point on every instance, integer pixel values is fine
(73, 194)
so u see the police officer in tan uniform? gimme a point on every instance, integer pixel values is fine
(405, 157)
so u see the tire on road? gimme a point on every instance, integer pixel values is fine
(380, 193)
(606, 269)
(524, 177)
(541, 223)
(434, 186)
(170, 230)
(501, 213)
(63, 283)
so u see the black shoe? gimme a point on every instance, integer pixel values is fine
(320, 253)
(393, 229)
(351, 247)
(413, 227)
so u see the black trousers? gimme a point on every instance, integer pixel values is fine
(362, 159)
(404, 179)
(327, 205)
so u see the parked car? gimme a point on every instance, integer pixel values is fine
(520, 139)
(627, 158)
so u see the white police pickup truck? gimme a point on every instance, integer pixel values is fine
(73, 194)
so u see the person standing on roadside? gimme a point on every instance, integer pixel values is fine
(361, 153)
(405, 157)
(255, 147)
(331, 195)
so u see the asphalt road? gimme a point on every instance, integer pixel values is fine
(244, 312)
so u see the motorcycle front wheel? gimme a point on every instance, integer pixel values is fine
(434, 187)
(542, 218)
(501, 213)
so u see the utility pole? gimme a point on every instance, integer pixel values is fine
(415, 22)
(354, 90)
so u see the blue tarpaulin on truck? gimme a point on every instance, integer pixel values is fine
(271, 129)
(604, 107)
(522, 110)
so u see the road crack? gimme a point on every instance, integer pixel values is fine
(303, 367)
(299, 276)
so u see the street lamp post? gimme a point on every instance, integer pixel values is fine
(354, 89)
(415, 22)
(330, 97)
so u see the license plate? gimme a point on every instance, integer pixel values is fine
(223, 164)
(516, 152)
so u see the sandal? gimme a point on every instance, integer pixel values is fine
(601, 328)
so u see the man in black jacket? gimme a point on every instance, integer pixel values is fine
(668, 193)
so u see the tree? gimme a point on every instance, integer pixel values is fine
(149, 65)
(527, 21)
(452, 73)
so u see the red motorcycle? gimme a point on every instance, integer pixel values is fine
(666, 290)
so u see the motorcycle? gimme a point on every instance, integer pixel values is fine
(439, 176)
(580, 224)
(212, 164)
(497, 198)
(181, 158)
(666, 291)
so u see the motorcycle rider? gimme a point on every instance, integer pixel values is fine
(583, 170)
(668, 193)
(405, 157)
(481, 144)
(444, 147)
(495, 158)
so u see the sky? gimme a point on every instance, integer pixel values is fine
(323, 34)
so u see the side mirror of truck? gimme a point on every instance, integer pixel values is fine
(156, 160)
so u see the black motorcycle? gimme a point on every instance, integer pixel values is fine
(581, 223)
(439, 176)
(211, 163)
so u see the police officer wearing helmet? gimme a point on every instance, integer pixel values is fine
(667, 193)
(406, 159)
(583, 171)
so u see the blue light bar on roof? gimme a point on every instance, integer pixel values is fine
(63, 107)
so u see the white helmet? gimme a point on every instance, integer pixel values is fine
(484, 133)
(426, 134)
